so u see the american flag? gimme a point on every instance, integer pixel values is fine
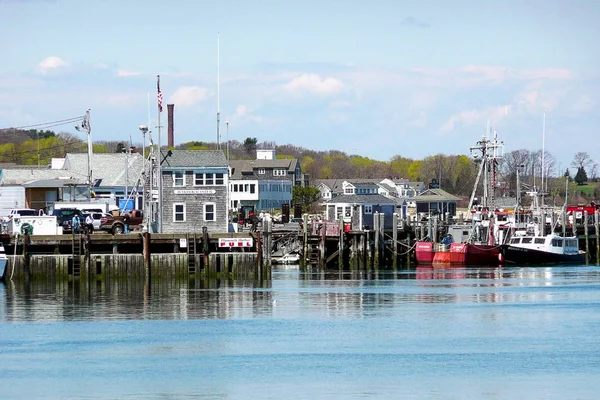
(159, 95)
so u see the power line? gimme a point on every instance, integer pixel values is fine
(52, 123)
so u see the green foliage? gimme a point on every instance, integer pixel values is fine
(250, 145)
(581, 176)
(100, 148)
(305, 195)
(414, 170)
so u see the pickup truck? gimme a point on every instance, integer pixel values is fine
(116, 224)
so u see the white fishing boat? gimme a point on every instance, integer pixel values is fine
(532, 248)
(3, 261)
(289, 258)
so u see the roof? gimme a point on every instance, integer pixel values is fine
(361, 199)
(108, 169)
(51, 183)
(194, 158)
(248, 166)
(430, 195)
(20, 175)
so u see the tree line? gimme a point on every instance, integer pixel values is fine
(455, 173)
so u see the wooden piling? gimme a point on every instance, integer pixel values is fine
(341, 245)
(597, 232)
(586, 234)
(376, 239)
(394, 240)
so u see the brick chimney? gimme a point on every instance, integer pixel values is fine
(170, 136)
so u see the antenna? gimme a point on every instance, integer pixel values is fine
(543, 149)
(218, 91)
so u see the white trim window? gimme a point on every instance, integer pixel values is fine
(368, 208)
(178, 179)
(198, 179)
(179, 212)
(219, 180)
(279, 172)
(261, 171)
(210, 212)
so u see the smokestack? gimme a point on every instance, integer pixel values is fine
(170, 136)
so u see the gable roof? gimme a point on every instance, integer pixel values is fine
(108, 169)
(430, 195)
(194, 158)
(246, 168)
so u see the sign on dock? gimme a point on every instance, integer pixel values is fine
(235, 242)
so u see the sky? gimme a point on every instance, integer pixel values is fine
(376, 78)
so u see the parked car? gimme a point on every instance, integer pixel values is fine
(64, 218)
(116, 223)
(17, 212)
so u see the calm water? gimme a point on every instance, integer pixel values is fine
(513, 333)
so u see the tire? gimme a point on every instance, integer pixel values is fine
(117, 229)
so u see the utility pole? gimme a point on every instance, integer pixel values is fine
(86, 126)
(159, 177)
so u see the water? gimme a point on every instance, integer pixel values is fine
(510, 333)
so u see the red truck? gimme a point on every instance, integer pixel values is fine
(116, 224)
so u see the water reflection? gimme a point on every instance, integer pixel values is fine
(294, 294)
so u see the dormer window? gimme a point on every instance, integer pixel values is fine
(279, 172)
(349, 191)
(261, 171)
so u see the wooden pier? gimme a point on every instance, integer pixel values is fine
(135, 255)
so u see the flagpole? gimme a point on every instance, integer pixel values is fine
(218, 93)
(160, 181)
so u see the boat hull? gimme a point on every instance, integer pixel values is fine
(3, 262)
(458, 254)
(517, 255)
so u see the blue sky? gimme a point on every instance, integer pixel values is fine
(378, 78)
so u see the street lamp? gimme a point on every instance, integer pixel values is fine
(86, 126)
(145, 196)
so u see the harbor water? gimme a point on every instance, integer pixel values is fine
(478, 333)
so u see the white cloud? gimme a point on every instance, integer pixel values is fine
(50, 64)
(245, 114)
(186, 96)
(476, 117)
(124, 72)
(313, 83)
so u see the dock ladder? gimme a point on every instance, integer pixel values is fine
(76, 250)
(192, 255)
(314, 253)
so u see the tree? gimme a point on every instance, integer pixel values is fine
(305, 196)
(120, 148)
(581, 160)
(581, 176)
(250, 145)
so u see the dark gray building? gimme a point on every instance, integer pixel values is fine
(195, 186)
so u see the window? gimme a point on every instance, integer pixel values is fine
(368, 209)
(209, 179)
(198, 179)
(515, 241)
(252, 188)
(178, 212)
(349, 191)
(209, 212)
(540, 240)
(261, 171)
(279, 172)
(526, 240)
(178, 178)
